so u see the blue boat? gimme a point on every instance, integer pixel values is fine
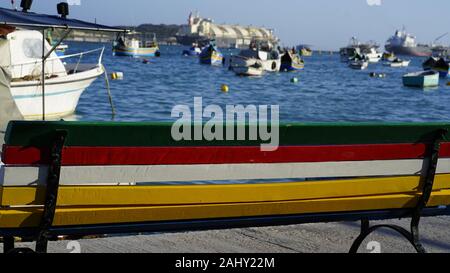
(194, 51)
(421, 79)
(211, 55)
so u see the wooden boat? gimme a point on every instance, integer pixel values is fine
(440, 65)
(421, 79)
(135, 44)
(429, 63)
(388, 57)
(211, 55)
(359, 64)
(355, 48)
(305, 50)
(371, 54)
(291, 61)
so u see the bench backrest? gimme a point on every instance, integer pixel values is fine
(144, 175)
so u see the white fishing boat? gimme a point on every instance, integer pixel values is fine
(64, 82)
(367, 50)
(269, 58)
(372, 55)
(255, 70)
(398, 63)
(44, 85)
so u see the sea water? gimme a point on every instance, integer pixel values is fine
(327, 90)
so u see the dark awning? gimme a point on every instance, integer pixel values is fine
(34, 20)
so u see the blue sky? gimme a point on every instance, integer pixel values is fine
(326, 24)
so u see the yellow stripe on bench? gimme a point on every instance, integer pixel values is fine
(215, 194)
(30, 217)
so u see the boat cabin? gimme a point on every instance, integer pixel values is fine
(21, 52)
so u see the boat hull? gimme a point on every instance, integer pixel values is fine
(419, 51)
(211, 58)
(359, 65)
(193, 53)
(61, 94)
(136, 52)
(398, 64)
(421, 80)
(292, 66)
(248, 71)
(443, 73)
(272, 65)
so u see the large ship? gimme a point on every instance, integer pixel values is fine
(200, 30)
(403, 43)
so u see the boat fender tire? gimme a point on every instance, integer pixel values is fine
(274, 65)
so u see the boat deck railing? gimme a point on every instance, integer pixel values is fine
(51, 61)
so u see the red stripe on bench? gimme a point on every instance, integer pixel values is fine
(92, 156)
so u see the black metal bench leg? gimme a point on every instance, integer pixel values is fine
(416, 236)
(412, 236)
(51, 196)
(413, 239)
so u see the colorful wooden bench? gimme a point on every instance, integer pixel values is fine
(78, 178)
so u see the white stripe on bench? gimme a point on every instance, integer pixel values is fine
(112, 175)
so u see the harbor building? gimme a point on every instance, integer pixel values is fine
(228, 36)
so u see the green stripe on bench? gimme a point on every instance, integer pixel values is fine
(38, 134)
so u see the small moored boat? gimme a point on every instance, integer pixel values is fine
(291, 61)
(211, 55)
(135, 44)
(439, 65)
(254, 70)
(421, 79)
(195, 50)
(388, 57)
(359, 64)
(264, 52)
(305, 50)
(398, 63)
(430, 63)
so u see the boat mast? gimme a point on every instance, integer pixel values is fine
(43, 74)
